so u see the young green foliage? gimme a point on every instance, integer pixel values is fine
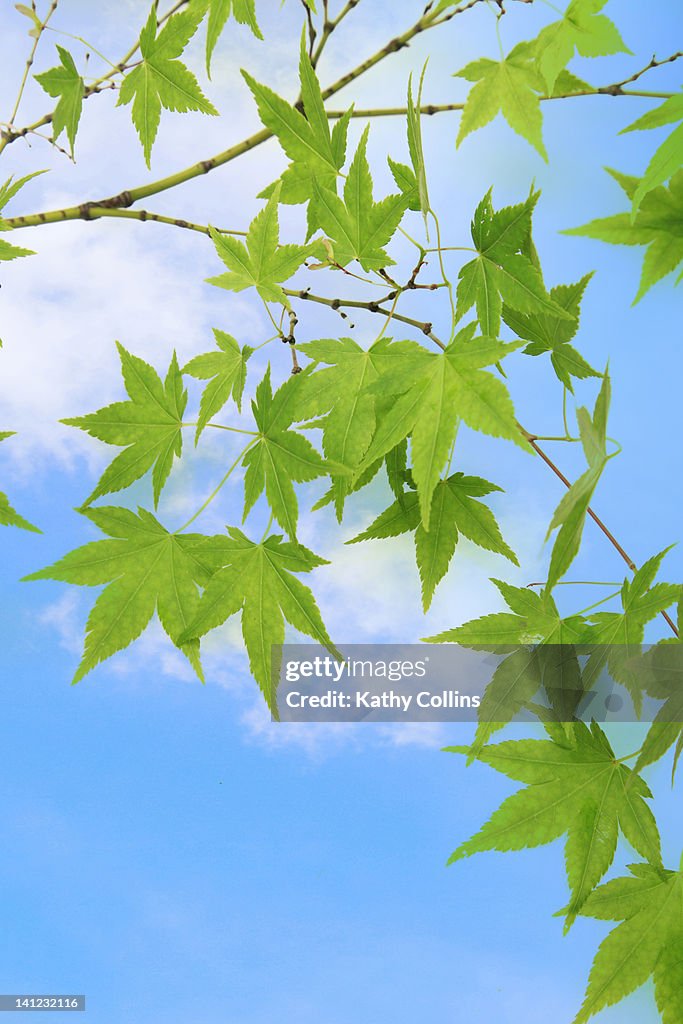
(226, 371)
(64, 82)
(570, 514)
(582, 29)
(532, 619)
(660, 672)
(574, 787)
(648, 943)
(243, 11)
(161, 80)
(617, 637)
(262, 263)
(547, 332)
(406, 181)
(436, 392)
(658, 224)
(29, 13)
(339, 393)
(258, 580)
(358, 227)
(415, 146)
(668, 158)
(146, 568)
(279, 455)
(149, 426)
(454, 511)
(316, 153)
(511, 86)
(505, 269)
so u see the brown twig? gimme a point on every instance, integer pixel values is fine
(617, 88)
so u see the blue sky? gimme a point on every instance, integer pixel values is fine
(167, 849)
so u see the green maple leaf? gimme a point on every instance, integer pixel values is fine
(278, 455)
(546, 332)
(668, 158)
(8, 515)
(532, 622)
(406, 181)
(532, 619)
(436, 392)
(243, 11)
(582, 29)
(338, 392)
(415, 144)
(648, 942)
(576, 787)
(258, 580)
(65, 83)
(226, 371)
(149, 426)
(262, 263)
(660, 672)
(161, 80)
(315, 152)
(454, 511)
(570, 514)
(617, 637)
(505, 268)
(358, 227)
(146, 568)
(511, 86)
(658, 224)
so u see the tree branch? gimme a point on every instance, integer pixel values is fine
(426, 328)
(329, 26)
(11, 134)
(94, 212)
(430, 109)
(654, 63)
(372, 307)
(130, 196)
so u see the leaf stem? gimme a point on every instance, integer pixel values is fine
(216, 491)
(629, 757)
(579, 583)
(411, 239)
(442, 266)
(89, 46)
(220, 426)
(267, 529)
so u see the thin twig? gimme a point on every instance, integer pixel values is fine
(654, 63)
(596, 519)
(99, 85)
(27, 69)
